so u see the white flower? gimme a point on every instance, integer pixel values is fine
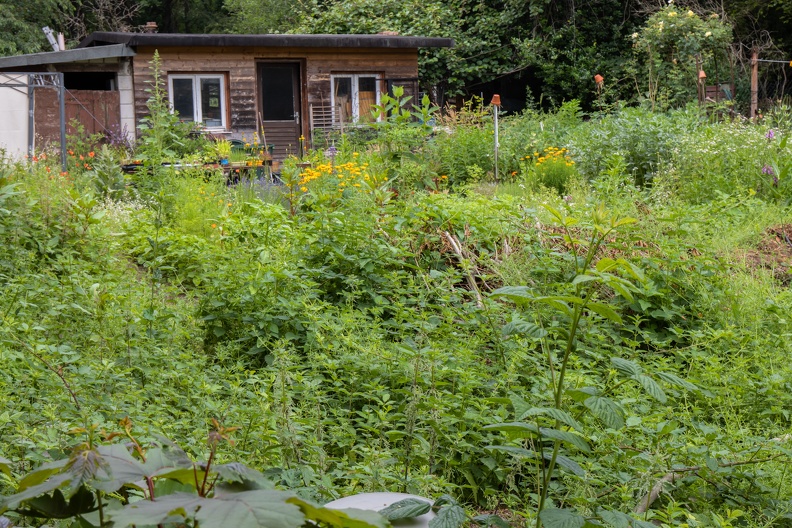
(708, 34)
(691, 13)
(635, 35)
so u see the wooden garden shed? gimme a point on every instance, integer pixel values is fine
(291, 86)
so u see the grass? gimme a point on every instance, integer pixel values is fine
(349, 345)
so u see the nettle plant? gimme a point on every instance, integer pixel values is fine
(553, 430)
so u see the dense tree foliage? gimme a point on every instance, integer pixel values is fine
(551, 49)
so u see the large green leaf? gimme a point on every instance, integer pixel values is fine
(346, 518)
(48, 486)
(516, 294)
(676, 380)
(625, 366)
(651, 387)
(567, 437)
(5, 466)
(248, 509)
(55, 506)
(42, 473)
(557, 518)
(605, 311)
(513, 427)
(606, 410)
(124, 469)
(568, 464)
(557, 414)
(405, 509)
(450, 516)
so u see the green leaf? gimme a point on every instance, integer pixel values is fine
(55, 506)
(451, 516)
(248, 509)
(516, 451)
(569, 464)
(556, 518)
(606, 410)
(518, 326)
(651, 387)
(676, 380)
(605, 311)
(5, 466)
(513, 427)
(235, 472)
(48, 486)
(346, 518)
(580, 279)
(520, 406)
(557, 414)
(625, 367)
(516, 294)
(565, 436)
(405, 509)
(605, 264)
(41, 474)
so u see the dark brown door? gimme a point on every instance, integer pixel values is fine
(279, 86)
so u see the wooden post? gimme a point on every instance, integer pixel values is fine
(754, 83)
(700, 82)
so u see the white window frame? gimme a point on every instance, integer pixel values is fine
(355, 77)
(196, 85)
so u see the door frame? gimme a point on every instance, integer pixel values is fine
(300, 85)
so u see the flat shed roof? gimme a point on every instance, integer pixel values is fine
(72, 55)
(102, 38)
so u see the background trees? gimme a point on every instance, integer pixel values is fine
(539, 51)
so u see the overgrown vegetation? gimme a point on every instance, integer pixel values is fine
(601, 342)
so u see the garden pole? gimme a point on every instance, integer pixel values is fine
(495, 106)
(754, 83)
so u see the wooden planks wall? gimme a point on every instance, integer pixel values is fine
(97, 110)
(239, 66)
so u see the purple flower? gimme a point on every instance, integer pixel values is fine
(770, 134)
(767, 169)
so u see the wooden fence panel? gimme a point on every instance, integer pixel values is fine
(96, 110)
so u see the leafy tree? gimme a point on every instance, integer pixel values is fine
(21, 22)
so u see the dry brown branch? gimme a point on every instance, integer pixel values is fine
(669, 478)
(456, 246)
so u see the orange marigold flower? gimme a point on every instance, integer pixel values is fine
(82, 157)
(91, 154)
(214, 226)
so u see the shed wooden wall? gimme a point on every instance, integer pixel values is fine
(239, 64)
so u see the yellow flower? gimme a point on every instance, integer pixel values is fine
(304, 189)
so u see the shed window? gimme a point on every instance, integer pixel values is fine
(354, 96)
(199, 98)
